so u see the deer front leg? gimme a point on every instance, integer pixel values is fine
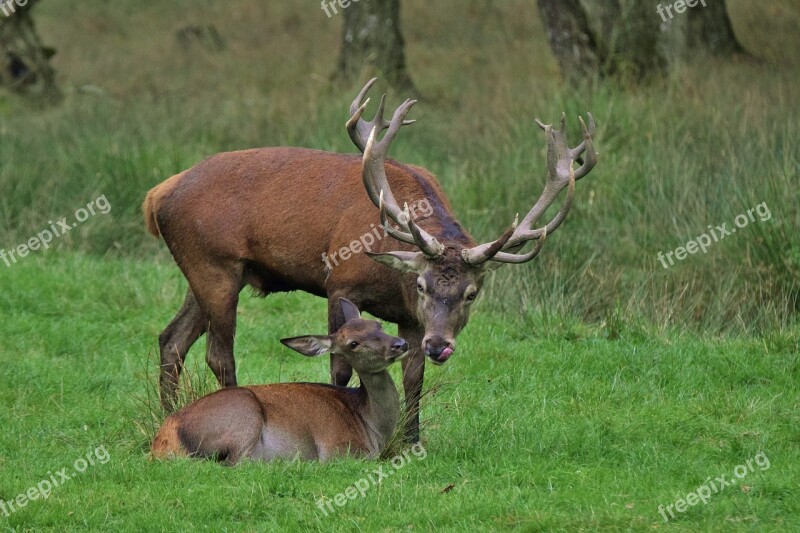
(413, 374)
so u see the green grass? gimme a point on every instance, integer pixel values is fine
(590, 387)
(533, 430)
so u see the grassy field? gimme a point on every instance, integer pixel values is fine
(526, 429)
(590, 387)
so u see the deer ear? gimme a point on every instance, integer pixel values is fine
(403, 261)
(349, 309)
(310, 345)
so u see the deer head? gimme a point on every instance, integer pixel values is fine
(449, 274)
(363, 343)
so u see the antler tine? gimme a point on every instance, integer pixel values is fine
(505, 257)
(377, 186)
(359, 129)
(540, 233)
(550, 193)
(586, 147)
(361, 94)
(397, 234)
(426, 242)
(475, 256)
(416, 235)
(560, 174)
(588, 133)
(374, 177)
(373, 173)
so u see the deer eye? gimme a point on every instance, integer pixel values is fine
(353, 345)
(471, 296)
(420, 288)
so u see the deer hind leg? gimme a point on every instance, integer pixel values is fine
(216, 288)
(341, 371)
(413, 376)
(225, 425)
(174, 343)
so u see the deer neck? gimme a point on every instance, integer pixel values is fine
(379, 408)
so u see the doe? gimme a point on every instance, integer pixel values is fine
(306, 420)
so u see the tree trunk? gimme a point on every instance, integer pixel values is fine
(711, 29)
(372, 42)
(570, 37)
(24, 60)
(633, 39)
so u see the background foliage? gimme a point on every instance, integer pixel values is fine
(697, 148)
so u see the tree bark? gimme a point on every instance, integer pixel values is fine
(711, 28)
(24, 61)
(633, 39)
(372, 42)
(570, 37)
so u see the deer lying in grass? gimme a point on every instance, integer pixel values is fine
(305, 420)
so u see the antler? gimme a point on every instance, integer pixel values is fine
(374, 172)
(560, 174)
(359, 129)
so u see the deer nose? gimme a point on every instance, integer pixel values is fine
(438, 348)
(400, 346)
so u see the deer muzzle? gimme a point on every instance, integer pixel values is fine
(438, 348)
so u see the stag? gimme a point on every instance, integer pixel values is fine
(264, 218)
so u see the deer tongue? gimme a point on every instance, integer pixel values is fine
(445, 355)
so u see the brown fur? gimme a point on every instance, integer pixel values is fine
(167, 444)
(320, 420)
(152, 202)
(265, 217)
(275, 219)
(310, 421)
